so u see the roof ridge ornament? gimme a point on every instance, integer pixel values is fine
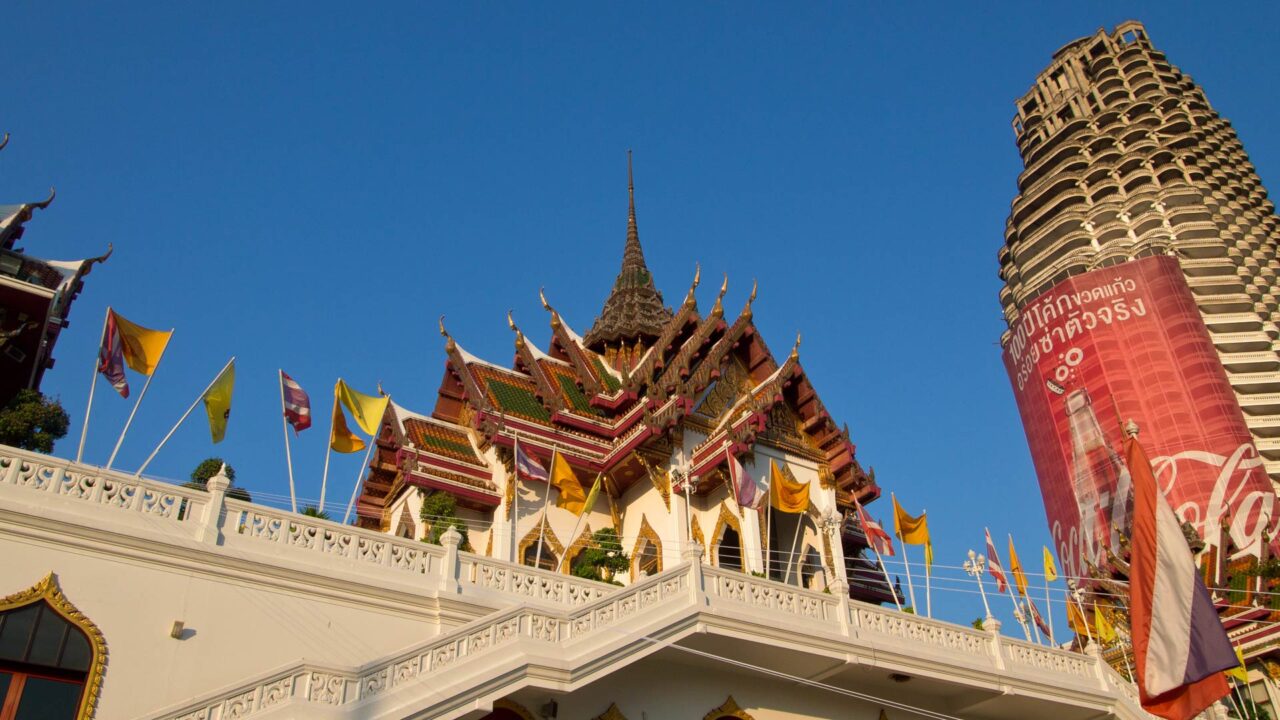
(5, 141)
(795, 349)
(697, 278)
(450, 345)
(718, 308)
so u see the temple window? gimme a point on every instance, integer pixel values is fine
(547, 561)
(729, 550)
(812, 574)
(647, 562)
(46, 660)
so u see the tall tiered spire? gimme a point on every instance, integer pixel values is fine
(634, 310)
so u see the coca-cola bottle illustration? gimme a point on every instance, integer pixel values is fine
(1100, 481)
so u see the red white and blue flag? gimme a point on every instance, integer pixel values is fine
(111, 356)
(876, 535)
(297, 406)
(1039, 619)
(1179, 644)
(744, 488)
(994, 567)
(529, 468)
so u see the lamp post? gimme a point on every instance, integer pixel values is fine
(975, 566)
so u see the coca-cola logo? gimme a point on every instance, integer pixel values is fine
(1240, 477)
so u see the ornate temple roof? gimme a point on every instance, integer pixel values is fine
(634, 309)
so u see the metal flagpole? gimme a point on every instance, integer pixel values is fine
(138, 402)
(546, 507)
(1018, 614)
(84, 431)
(792, 556)
(328, 452)
(928, 573)
(768, 523)
(1048, 605)
(515, 495)
(288, 456)
(199, 397)
(373, 442)
(1080, 606)
(911, 588)
(887, 581)
(573, 536)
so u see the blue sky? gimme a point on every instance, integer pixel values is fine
(307, 186)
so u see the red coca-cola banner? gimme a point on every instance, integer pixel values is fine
(1127, 342)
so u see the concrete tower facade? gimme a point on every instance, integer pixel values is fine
(1124, 158)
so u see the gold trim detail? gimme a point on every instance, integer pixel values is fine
(726, 519)
(515, 707)
(729, 709)
(48, 591)
(613, 713)
(550, 541)
(648, 534)
(579, 544)
(698, 537)
(661, 479)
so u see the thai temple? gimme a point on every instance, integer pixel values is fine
(124, 597)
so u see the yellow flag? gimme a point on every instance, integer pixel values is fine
(366, 410)
(1050, 570)
(1015, 567)
(217, 401)
(341, 439)
(571, 496)
(786, 495)
(1239, 673)
(913, 530)
(1076, 620)
(142, 346)
(1106, 633)
(591, 496)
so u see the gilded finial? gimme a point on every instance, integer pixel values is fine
(542, 295)
(795, 349)
(380, 390)
(443, 332)
(697, 278)
(511, 323)
(755, 285)
(5, 141)
(724, 286)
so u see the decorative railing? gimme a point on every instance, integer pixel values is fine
(529, 582)
(772, 596)
(873, 620)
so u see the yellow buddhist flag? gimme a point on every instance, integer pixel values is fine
(1106, 632)
(591, 495)
(366, 410)
(1015, 567)
(913, 530)
(142, 346)
(217, 401)
(1239, 672)
(1076, 620)
(572, 498)
(786, 495)
(1050, 570)
(341, 439)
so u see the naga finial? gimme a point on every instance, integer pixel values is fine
(795, 349)
(542, 295)
(53, 192)
(697, 278)
(5, 141)
(724, 286)
(443, 332)
(511, 323)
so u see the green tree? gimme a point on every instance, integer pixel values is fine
(210, 467)
(313, 511)
(602, 558)
(32, 421)
(440, 512)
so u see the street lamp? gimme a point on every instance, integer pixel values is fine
(975, 566)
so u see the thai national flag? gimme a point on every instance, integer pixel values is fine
(993, 565)
(297, 405)
(879, 539)
(1039, 619)
(111, 356)
(529, 468)
(1178, 640)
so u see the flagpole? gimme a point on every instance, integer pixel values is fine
(328, 452)
(792, 556)
(373, 442)
(136, 403)
(515, 495)
(911, 588)
(182, 419)
(768, 524)
(1085, 620)
(288, 456)
(546, 507)
(1048, 604)
(93, 383)
(1008, 586)
(928, 572)
(573, 536)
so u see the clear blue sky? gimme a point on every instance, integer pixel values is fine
(309, 186)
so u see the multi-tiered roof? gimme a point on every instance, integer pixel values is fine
(615, 401)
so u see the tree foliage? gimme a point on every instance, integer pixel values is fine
(440, 512)
(602, 558)
(32, 421)
(315, 512)
(210, 467)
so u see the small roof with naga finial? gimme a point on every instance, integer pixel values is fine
(634, 309)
